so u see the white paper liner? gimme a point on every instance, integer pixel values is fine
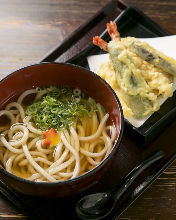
(167, 45)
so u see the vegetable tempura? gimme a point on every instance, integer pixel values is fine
(140, 82)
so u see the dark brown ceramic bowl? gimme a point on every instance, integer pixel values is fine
(45, 75)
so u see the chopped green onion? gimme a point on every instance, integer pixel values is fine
(59, 108)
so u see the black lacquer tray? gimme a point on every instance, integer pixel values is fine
(75, 49)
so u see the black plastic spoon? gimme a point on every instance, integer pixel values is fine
(100, 205)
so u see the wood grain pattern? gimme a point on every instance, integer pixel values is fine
(29, 29)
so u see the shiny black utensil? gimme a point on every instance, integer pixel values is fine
(99, 205)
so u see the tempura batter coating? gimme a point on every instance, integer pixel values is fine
(149, 54)
(140, 82)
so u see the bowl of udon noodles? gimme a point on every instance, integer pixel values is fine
(60, 129)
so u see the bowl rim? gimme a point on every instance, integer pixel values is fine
(99, 166)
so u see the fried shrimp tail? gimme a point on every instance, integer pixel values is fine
(100, 43)
(113, 32)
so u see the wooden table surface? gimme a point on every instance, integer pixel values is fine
(29, 29)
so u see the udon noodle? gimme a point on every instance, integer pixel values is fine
(82, 146)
